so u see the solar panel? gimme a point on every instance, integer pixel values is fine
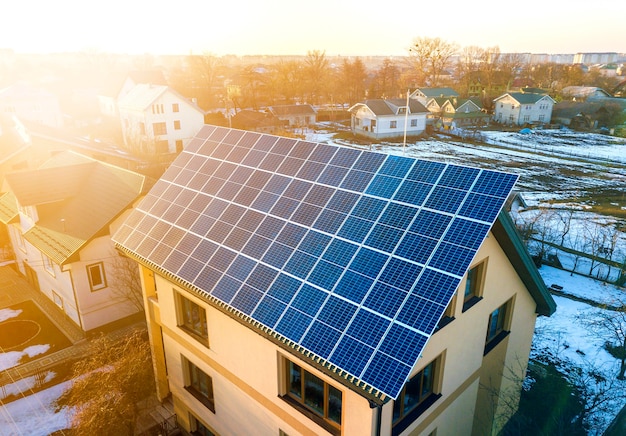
(351, 255)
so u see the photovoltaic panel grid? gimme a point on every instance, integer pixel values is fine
(351, 255)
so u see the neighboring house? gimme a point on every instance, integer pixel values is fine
(388, 118)
(295, 115)
(326, 290)
(157, 120)
(587, 115)
(584, 93)
(463, 112)
(29, 103)
(423, 95)
(59, 219)
(519, 108)
(117, 86)
(255, 121)
(434, 107)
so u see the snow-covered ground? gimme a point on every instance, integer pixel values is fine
(35, 415)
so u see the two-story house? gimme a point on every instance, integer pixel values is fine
(59, 218)
(520, 108)
(388, 118)
(156, 120)
(463, 112)
(296, 288)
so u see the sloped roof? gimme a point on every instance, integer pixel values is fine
(383, 107)
(583, 91)
(525, 98)
(8, 207)
(84, 197)
(292, 110)
(142, 96)
(439, 92)
(346, 257)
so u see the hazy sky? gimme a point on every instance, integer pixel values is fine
(338, 27)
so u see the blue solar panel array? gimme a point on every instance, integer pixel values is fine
(352, 255)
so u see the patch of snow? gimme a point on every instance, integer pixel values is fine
(8, 314)
(35, 415)
(12, 358)
(23, 386)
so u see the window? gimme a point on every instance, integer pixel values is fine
(176, 124)
(58, 300)
(473, 286)
(526, 118)
(541, 117)
(393, 124)
(157, 108)
(413, 123)
(316, 398)
(175, 107)
(497, 326)
(402, 110)
(417, 395)
(179, 145)
(192, 318)
(97, 279)
(448, 315)
(159, 129)
(142, 128)
(47, 263)
(199, 429)
(200, 385)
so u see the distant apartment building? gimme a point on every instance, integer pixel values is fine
(596, 58)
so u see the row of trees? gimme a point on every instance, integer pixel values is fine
(316, 79)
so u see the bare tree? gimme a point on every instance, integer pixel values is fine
(316, 71)
(109, 385)
(386, 82)
(431, 56)
(126, 281)
(610, 325)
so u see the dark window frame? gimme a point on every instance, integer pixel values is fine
(103, 279)
(499, 329)
(474, 283)
(404, 414)
(193, 385)
(297, 397)
(197, 328)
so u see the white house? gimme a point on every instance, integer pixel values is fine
(326, 290)
(523, 108)
(33, 104)
(158, 120)
(388, 118)
(59, 219)
(294, 115)
(463, 112)
(116, 87)
(423, 95)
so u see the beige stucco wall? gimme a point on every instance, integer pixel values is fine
(246, 368)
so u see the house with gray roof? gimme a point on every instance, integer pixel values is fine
(520, 108)
(59, 218)
(388, 118)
